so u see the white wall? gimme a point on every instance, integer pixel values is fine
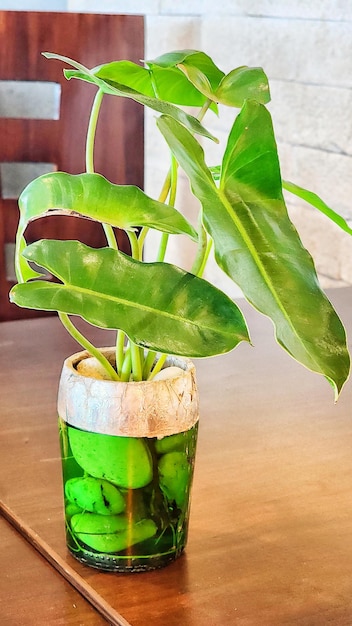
(306, 51)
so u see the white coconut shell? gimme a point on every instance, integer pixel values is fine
(155, 408)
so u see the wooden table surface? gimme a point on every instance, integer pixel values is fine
(32, 592)
(270, 539)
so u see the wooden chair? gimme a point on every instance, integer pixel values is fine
(59, 144)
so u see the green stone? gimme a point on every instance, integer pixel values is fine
(95, 495)
(174, 476)
(171, 443)
(111, 533)
(72, 509)
(124, 461)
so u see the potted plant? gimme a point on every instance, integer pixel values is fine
(129, 413)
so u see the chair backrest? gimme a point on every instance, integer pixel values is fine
(36, 138)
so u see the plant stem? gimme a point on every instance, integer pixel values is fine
(205, 258)
(204, 243)
(142, 235)
(135, 249)
(110, 236)
(85, 343)
(167, 184)
(92, 127)
(148, 363)
(164, 239)
(108, 229)
(120, 345)
(165, 188)
(202, 250)
(90, 141)
(204, 109)
(136, 362)
(158, 366)
(172, 181)
(126, 366)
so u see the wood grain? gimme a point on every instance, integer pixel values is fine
(32, 593)
(63, 568)
(270, 539)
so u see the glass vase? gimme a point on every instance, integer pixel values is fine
(128, 452)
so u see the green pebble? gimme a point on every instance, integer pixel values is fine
(174, 476)
(111, 533)
(124, 461)
(172, 443)
(95, 495)
(71, 510)
(98, 524)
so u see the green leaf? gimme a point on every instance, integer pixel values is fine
(242, 84)
(199, 68)
(160, 106)
(168, 84)
(256, 244)
(159, 306)
(215, 172)
(318, 203)
(93, 196)
(24, 271)
(129, 74)
(117, 89)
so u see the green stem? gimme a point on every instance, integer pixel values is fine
(204, 244)
(120, 349)
(85, 343)
(172, 179)
(142, 235)
(162, 198)
(164, 239)
(165, 188)
(110, 236)
(126, 366)
(90, 141)
(148, 363)
(135, 249)
(204, 109)
(202, 247)
(205, 258)
(158, 366)
(92, 127)
(136, 362)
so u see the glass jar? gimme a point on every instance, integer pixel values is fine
(128, 452)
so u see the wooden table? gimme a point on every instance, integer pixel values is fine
(270, 539)
(32, 592)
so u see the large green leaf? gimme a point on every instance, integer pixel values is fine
(117, 89)
(158, 305)
(94, 197)
(256, 244)
(168, 84)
